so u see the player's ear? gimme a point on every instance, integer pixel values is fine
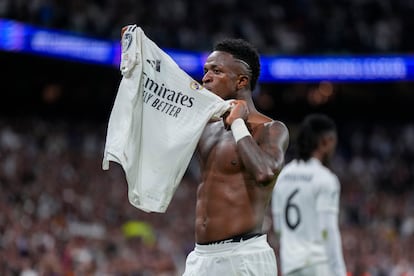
(242, 81)
(326, 140)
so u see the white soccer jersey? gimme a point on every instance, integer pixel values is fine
(303, 189)
(157, 119)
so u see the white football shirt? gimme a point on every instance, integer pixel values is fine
(303, 189)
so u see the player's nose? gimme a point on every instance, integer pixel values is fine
(206, 78)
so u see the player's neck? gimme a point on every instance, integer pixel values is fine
(248, 98)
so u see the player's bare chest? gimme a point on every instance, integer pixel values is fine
(216, 138)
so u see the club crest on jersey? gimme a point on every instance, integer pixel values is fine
(195, 85)
(126, 42)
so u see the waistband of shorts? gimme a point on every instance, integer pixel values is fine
(252, 244)
(236, 238)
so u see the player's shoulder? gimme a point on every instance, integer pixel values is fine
(276, 124)
(276, 128)
(269, 129)
(325, 171)
(289, 168)
(326, 177)
(290, 165)
(268, 122)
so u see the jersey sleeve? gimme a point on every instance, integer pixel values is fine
(332, 242)
(328, 194)
(328, 208)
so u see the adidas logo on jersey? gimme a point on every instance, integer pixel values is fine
(156, 64)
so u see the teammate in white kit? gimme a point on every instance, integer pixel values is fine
(305, 204)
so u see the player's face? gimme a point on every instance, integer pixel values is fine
(222, 74)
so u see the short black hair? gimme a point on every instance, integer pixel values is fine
(313, 127)
(243, 50)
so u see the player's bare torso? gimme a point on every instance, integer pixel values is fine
(229, 201)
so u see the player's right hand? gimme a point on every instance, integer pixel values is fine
(239, 110)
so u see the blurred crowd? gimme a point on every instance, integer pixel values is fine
(62, 215)
(275, 27)
(376, 169)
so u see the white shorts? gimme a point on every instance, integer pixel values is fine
(320, 269)
(252, 257)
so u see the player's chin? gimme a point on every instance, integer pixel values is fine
(208, 87)
(214, 91)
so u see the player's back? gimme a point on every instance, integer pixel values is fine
(299, 194)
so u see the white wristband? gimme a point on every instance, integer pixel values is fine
(239, 129)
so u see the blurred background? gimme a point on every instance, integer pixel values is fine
(60, 214)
